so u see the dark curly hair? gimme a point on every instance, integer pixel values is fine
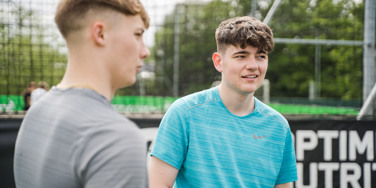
(244, 31)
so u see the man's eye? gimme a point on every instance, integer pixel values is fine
(240, 56)
(138, 34)
(262, 56)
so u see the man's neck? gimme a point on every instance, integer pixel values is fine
(84, 77)
(237, 103)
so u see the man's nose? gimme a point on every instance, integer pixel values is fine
(145, 52)
(251, 63)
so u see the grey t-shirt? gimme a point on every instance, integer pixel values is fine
(74, 138)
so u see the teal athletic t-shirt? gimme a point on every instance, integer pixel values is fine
(211, 147)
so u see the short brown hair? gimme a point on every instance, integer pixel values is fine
(43, 84)
(243, 31)
(70, 12)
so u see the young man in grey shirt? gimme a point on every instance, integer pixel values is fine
(73, 137)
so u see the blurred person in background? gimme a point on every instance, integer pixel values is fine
(27, 94)
(38, 92)
(72, 137)
(224, 136)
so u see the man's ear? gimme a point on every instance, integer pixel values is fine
(217, 60)
(97, 33)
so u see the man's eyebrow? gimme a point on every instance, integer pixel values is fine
(241, 52)
(261, 52)
(140, 29)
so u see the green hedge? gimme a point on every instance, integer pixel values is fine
(152, 104)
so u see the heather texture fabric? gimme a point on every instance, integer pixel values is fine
(74, 138)
(211, 147)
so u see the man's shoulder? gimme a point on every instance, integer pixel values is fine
(198, 98)
(78, 106)
(269, 112)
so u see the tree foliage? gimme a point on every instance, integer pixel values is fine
(25, 55)
(291, 66)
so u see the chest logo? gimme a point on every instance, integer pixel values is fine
(258, 137)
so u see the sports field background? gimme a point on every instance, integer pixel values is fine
(310, 80)
(159, 105)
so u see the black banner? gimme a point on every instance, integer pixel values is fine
(335, 153)
(330, 153)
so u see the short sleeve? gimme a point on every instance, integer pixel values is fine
(288, 171)
(171, 142)
(113, 156)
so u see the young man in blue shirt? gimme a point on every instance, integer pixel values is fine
(224, 136)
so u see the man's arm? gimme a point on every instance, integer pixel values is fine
(161, 174)
(285, 185)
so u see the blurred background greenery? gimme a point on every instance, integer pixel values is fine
(303, 77)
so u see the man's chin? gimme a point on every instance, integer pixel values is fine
(249, 90)
(128, 84)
